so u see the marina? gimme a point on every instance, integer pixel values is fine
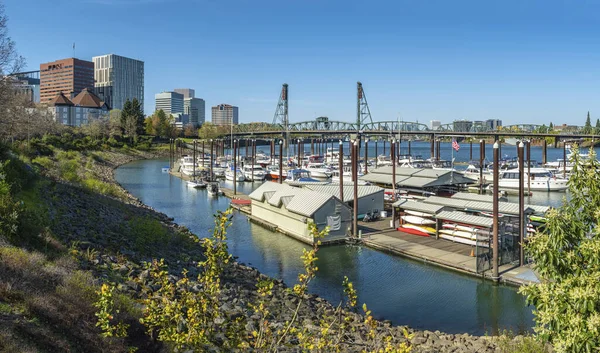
(405, 289)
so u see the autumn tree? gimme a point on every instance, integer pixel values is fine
(114, 123)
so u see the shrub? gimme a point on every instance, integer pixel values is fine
(45, 162)
(101, 187)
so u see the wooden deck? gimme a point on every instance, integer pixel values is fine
(440, 252)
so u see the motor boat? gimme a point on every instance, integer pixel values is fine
(237, 176)
(301, 175)
(273, 171)
(540, 179)
(383, 160)
(197, 184)
(213, 189)
(254, 172)
(473, 172)
(319, 170)
(188, 167)
(347, 177)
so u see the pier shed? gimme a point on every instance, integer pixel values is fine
(290, 209)
(370, 197)
(416, 178)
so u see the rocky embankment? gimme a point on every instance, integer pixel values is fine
(97, 222)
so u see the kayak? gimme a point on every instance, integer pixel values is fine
(417, 220)
(423, 229)
(412, 231)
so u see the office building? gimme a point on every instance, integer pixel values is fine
(195, 109)
(493, 124)
(27, 84)
(169, 102)
(462, 125)
(435, 124)
(80, 110)
(118, 79)
(186, 92)
(66, 76)
(224, 114)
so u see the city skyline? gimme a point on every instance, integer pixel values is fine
(515, 62)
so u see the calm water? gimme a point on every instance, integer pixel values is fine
(404, 291)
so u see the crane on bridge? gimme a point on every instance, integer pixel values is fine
(281, 114)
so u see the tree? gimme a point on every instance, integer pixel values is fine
(125, 113)
(131, 128)
(189, 131)
(551, 127)
(597, 128)
(148, 127)
(138, 112)
(587, 128)
(208, 131)
(567, 257)
(115, 125)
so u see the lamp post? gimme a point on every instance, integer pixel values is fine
(521, 206)
(280, 161)
(495, 212)
(354, 172)
(341, 169)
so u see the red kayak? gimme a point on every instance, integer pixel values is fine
(412, 231)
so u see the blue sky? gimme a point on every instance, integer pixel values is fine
(519, 61)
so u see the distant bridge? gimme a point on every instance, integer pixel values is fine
(365, 125)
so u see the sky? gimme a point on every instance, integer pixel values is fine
(521, 61)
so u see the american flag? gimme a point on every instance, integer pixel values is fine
(455, 145)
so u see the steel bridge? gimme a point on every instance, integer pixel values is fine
(365, 125)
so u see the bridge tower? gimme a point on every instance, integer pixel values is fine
(363, 113)
(281, 113)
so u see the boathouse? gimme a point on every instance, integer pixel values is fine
(416, 178)
(290, 209)
(370, 197)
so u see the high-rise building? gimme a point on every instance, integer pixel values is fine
(224, 114)
(27, 84)
(435, 124)
(118, 79)
(462, 125)
(67, 76)
(169, 102)
(493, 124)
(187, 92)
(195, 109)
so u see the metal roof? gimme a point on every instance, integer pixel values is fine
(363, 190)
(472, 197)
(510, 208)
(304, 202)
(446, 201)
(259, 193)
(302, 183)
(461, 217)
(416, 177)
(418, 206)
(307, 202)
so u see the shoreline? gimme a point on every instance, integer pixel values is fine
(424, 340)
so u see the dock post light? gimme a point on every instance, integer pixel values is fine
(366, 154)
(341, 168)
(496, 193)
(234, 167)
(355, 179)
(280, 161)
(522, 225)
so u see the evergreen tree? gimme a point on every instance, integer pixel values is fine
(597, 129)
(587, 129)
(138, 113)
(125, 113)
(551, 127)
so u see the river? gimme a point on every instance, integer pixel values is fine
(404, 291)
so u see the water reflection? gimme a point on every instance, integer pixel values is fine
(404, 291)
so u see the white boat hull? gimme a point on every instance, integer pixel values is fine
(535, 185)
(239, 176)
(258, 176)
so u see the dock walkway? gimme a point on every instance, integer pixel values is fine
(440, 252)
